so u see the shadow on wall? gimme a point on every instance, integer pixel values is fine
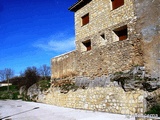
(148, 25)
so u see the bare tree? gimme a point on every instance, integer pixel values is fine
(2, 75)
(9, 73)
(44, 71)
(6, 74)
(21, 74)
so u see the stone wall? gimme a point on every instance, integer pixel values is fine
(148, 27)
(108, 55)
(64, 65)
(109, 99)
(114, 57)
(101, 16)
(111, 58)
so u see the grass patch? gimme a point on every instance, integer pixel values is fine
(13, 92)
(154, 110)
(9, 95)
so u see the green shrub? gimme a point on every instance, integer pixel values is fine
(11, 94)
(15, 95)
(44, 84)
(154, 110)
(11, 88)
(3, 88)
(118, 73)
(65, 85)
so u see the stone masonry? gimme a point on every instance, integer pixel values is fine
(103, 20)
(109, 40)
(107, 54)
(110, 99)
(115, 57)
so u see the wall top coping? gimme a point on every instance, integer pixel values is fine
(62, 55)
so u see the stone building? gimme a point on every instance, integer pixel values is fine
(112, 36)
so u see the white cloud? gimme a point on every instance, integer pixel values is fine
(57, 43)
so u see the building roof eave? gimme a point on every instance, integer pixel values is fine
(78, 5)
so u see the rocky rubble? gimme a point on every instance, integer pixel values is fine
(129, 80)
(33, 93)
(110, 94)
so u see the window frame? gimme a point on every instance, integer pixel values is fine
(87, 45)
(121, 32)
(85, 19)
(116, 5)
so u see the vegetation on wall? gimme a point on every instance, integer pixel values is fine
(44, 84)
(65, 85)
(154, 110)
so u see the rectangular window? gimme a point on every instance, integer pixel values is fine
(117, 3)
(87, 44)
(85, 19)
(122, 32)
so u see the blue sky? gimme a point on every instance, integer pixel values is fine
(34, 31)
